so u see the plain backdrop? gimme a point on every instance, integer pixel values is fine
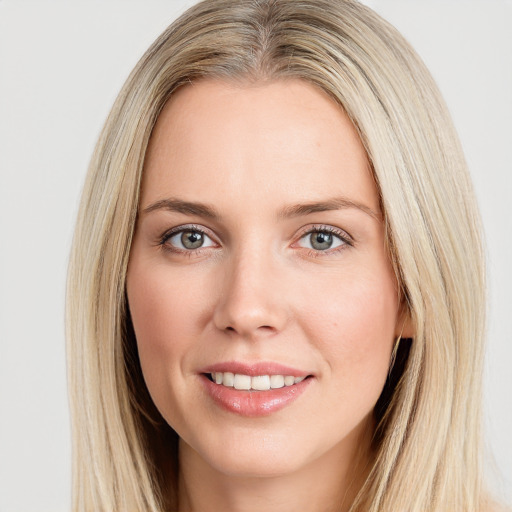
(61, 66)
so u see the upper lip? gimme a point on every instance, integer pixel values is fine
(254, 369)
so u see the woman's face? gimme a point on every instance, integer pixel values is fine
(260, 257)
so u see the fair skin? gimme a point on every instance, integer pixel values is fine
(260, 248)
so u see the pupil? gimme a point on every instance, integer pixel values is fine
(192, 239)
(321, 240)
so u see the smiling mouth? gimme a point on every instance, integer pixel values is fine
(254, 390)
(253, 383)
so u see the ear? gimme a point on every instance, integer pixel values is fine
(405, 327)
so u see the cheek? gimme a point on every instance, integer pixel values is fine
(164, 316)
(352, 318)
(167, 307)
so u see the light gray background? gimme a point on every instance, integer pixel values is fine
(61, 66)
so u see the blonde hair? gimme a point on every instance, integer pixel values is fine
(428, 437)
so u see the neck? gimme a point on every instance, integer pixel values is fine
(330, 483)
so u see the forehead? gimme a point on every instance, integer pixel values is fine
(283, 140)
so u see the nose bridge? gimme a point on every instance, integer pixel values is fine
(250, 302)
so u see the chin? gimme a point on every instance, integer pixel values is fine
(256, 454)
(258, 465)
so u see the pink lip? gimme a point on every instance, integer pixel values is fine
(253, 403)
(254, 369)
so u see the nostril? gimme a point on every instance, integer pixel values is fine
(265, 327)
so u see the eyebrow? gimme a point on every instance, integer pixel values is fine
(297, 210)
(335, 203)
(180, 206)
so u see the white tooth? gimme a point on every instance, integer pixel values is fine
(261, 382)
(298, 379)
(289, 380)
(218, 377)
(242, 381)
(228, 379)
(276, 381)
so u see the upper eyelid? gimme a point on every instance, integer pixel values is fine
(187, 227)
(315, 228)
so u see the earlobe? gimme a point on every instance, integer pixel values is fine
(405, 325)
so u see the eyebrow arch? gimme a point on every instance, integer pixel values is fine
(335, 203)
(180, 206)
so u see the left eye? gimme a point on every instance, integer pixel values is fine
(321, 240)
(190, 239)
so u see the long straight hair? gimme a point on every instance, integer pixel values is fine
(428, 436)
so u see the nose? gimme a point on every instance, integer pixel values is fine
(252, 301)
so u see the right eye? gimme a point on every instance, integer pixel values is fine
(188, 239)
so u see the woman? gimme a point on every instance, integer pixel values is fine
(276, 287)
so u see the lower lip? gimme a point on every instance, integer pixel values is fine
(254, 403)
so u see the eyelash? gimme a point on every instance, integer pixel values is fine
(340, 234)
(180, 229)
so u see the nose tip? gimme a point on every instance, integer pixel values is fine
(249, 305)
(247, 318)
